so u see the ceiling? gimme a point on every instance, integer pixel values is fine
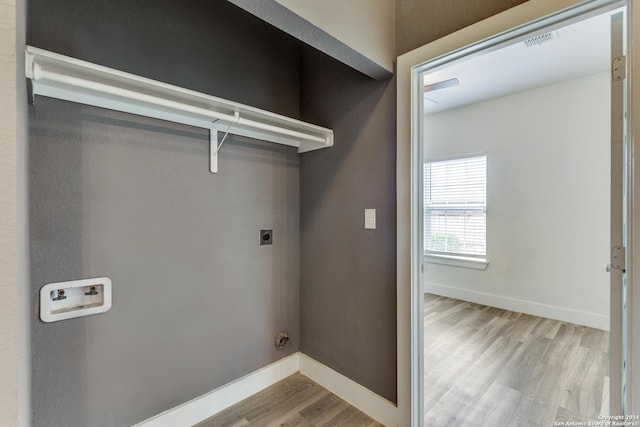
(577, 50)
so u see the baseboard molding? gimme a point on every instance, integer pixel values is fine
(348, 390)
(543, 310)
(207, 405)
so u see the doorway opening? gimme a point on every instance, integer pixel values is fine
(522, 178)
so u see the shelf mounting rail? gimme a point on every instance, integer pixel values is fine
(62, 77)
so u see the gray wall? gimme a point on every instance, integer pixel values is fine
(419, 22)
(348, 274)
(196, 300)
(209, 46)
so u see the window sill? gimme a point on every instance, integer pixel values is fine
(457, 261)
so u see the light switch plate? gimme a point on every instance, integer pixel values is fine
(370, 219)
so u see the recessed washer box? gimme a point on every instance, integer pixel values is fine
(66, 300)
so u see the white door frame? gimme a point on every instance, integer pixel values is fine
(492, 32)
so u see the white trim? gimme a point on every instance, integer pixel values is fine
(548, 311)
(348, 390)
(632, 402)
(457, 261)
(209, 404)
(456, 157)
(416, 168)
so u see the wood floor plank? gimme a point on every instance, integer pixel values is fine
(483, 367)
(493, 312)
(500, 368)
(280, 409)
(458, 396)
(294, 401)
(564, 416)
(510, 315)
(520, 370)
(585, 380)
(445, 342)
(488, 365)
(531, 412)
(604, 405)
(442, 374)
(349, 416)
(540, 396)
(596, 339)
(226, 420)
(547, 328)
(566, 340)
(453, 318)
(324, 409)
(259, 403)
(296, 420)
(494, 408)
(519, 330)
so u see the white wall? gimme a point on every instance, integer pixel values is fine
(547, 199)
(367, 26)
(9, 408)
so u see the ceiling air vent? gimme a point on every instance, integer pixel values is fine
(539, 40)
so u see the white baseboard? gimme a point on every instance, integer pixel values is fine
(537, 309)
(348, 390)
(207, 405)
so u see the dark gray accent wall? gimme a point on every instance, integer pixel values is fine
(419, 22)
(208, 46)
(196, 300)
(348, 274)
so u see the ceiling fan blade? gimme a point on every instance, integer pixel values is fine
(441, 85)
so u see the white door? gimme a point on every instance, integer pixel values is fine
(618, 215)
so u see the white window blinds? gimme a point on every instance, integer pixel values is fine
(455, 206)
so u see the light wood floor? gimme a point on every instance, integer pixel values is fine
(295, 401)
(490, 367)
(483, 367)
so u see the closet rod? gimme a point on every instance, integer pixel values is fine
(71, 79)
(40, 74)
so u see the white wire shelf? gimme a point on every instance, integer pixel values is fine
(58, 76)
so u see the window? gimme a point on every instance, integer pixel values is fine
(455, 207)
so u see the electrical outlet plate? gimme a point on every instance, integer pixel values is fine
(266, 237)
(66, 300)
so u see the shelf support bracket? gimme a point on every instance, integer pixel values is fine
(213, 150)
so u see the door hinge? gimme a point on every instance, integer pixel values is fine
(618, 258)
(619, 68)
